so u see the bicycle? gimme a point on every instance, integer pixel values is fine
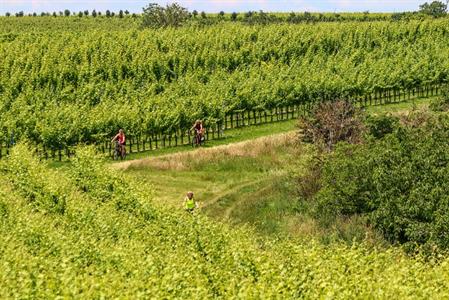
(198, 139)
(118, 152)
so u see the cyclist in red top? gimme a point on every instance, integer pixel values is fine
(121, 138)
(199, 131)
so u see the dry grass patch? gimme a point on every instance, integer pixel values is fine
(267, 146)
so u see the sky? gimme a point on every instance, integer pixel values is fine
(214, 5)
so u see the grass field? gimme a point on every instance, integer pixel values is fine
(246, 178)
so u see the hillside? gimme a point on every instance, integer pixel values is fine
(96, 234)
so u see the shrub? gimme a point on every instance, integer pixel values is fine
(435, 9)
(442, 102)
(157, 16)
(401, 183)
(332, 122)
(379, 126)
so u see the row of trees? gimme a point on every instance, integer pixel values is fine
(68, 13)
(175, 15)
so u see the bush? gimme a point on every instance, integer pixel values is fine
(332, 122)
(401, 183)
(442, 102)
(157, 16)
(435, 9)
(379, 126)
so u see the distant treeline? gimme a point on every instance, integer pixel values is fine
(250, 17)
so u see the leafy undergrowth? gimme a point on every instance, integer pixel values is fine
(249, 183)
(112, 241)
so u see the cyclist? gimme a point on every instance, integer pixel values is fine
(121, 138)
(199, 130)
(189, 203)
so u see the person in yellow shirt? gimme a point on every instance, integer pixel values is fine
(189, 203)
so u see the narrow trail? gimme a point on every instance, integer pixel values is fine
(230, 192)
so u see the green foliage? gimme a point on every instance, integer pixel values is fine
(381, 125)
(157, 16)
(435, 9)
(442, 102)
(65, 82)
(34, 182)
(90, 174)
(399, 182)
(180, 256)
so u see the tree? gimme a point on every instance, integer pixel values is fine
(43, 14)
(155, 15)
(61, 13)
(80, 14)
(435, 9)
(221, 14)
(234, 16)
(195, 13)
(19, 14)
(94, 13)
(126, 12)
(108, 13)
(67, 13)
(34, 15)
(8, 14)
(120, 14)
(99, 13)
(86, 12)
(203, 15)
(55, 14)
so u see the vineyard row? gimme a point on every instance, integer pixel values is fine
(148, 141)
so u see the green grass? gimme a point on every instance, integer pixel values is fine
(416, 103)
(230, 136)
